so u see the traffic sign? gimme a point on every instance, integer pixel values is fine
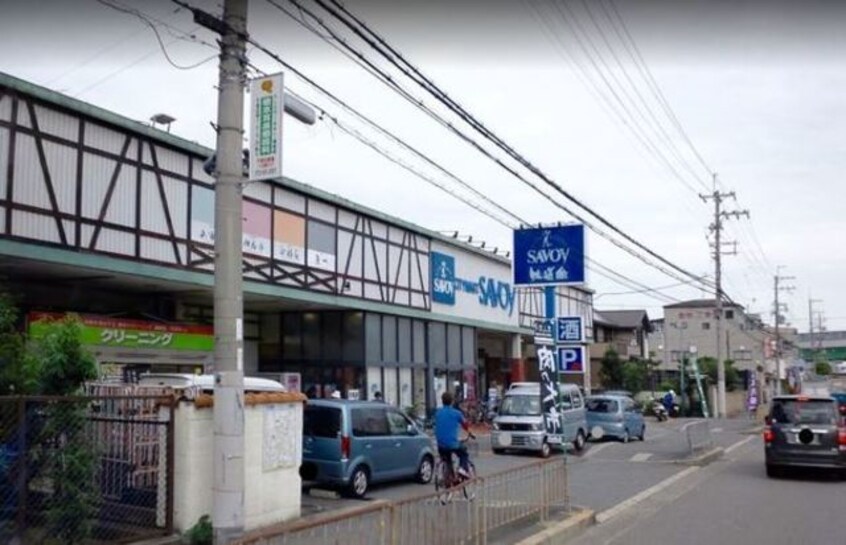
(571, 359)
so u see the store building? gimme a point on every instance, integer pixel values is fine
(110, 218)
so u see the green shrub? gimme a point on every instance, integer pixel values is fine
(201, 533)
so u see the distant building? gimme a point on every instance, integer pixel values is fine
(827, 345)
(624, 331)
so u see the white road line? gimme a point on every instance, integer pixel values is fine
(715, 430)
(596, 449)
(612, 512)
(684, 428)
(641, 457)
(739, 444)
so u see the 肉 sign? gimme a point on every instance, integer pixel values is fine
(549, 256)
(549, 390)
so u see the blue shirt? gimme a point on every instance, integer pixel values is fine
(448, 420)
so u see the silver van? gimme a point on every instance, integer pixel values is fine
(519, 422)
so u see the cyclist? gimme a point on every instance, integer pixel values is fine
(447, 421)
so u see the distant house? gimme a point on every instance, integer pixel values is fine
(624, 331)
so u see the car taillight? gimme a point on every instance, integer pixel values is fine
(841, 438)
(768, 435)
(345, 446)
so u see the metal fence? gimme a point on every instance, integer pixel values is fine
(97, 469)
(533, 492)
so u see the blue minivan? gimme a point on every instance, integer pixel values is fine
(352, 444)
(616, 416)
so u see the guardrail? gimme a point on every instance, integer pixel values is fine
(698, 436)
(538, 490)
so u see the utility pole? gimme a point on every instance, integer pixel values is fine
(813, 348)
(777, 288)
(717, 227)
(228, 449)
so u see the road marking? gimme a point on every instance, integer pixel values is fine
(641, 457)
(716, 430)
(612, 512)
(739, 444)
(684, 428)
(593, 450)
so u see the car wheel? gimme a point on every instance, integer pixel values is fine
(773, 471)
(625, 438)
(359, 482)
(499, 451)
(425, 470)
(546, 450)
(579, 443)
(642, 433)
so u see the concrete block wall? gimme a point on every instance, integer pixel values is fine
(271, 494)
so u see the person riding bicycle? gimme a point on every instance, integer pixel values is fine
(448, 419)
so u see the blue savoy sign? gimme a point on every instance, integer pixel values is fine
(549, 255)
(443, 278)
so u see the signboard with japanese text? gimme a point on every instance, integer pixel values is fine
(549, 390)
(266, 108)
(549, 256)
(117, 332)
(544, 331)
(569, 329)
(571, 359)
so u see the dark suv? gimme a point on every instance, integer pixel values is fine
(804, 431)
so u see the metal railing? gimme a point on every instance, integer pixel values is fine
(533, 492)
(97, 469)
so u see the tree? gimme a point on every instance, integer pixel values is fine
(708, 367)
(19, 372)
(822, 368)
(635, 375)
(64, 452)
(611, 370)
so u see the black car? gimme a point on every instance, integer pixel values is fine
(804, 431)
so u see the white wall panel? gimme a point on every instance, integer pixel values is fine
(399, 260)
(321, 210)
(396, 235)
(119, 242)
(121, 208)
(172, 161)
(176, 192)
(289, 200)
(28, 178)
(5, 108)
(101, 138)
(70, 231)
(4, 158)
(260, 191)
(157, 250)
(57, 123)
(371, 291)
(417, 282)
(2, 219)
(346, 219)
(379, 229)
(61, 164)
(34, 226)
(152, 209)
(23, 115)
(199, 174)
(375, 263)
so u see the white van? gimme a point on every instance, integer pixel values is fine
(205, 383)
(519, 422)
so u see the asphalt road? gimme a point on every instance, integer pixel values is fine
(732, 501)
(608, 473)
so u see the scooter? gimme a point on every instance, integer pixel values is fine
(660, 411)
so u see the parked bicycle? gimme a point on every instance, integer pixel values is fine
(449, 480)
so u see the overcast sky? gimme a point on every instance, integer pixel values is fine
(756, 86)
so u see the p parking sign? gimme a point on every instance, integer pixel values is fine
(571, 359)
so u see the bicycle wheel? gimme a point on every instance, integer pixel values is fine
(469, 488)
(442, 488)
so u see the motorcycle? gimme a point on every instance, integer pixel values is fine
(660, 411)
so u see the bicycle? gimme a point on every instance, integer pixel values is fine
(448, 479)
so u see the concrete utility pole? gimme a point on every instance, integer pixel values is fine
(228, 483)
(717, 228)
(777, 288)
(813, 349)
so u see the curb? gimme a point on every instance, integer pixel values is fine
(558, 532)
(703, 459)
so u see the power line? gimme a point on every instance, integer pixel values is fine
(394, 57)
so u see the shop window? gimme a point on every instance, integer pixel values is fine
(454, 345)
(311, 336)
(389, 339)
(371, 422)
(706, 325)
(729, 315)
(353, 332)
(331, 334)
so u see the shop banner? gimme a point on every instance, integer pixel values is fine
(105, 331)
(549, 390)
(267, 105)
